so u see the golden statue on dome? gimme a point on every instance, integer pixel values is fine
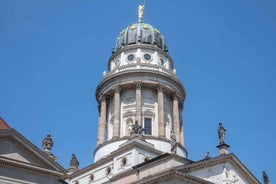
(141, 11)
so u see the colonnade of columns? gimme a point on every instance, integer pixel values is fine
(177, 122)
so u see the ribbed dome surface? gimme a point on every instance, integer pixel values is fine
(140, 33)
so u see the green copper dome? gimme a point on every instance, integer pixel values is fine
(140, 33)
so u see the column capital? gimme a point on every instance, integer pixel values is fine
(159, 88)
(103, 98)
(138, 84)
(117, 89)
(175, 97)
(181, 107)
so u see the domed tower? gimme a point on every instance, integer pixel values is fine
(140, 91)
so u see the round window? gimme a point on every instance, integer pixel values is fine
(130, 57)
(161, 62)
(147, 57)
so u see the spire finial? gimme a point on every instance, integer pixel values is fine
(141, 12)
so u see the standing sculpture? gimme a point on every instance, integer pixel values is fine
(141, 11)
(173, 142)
(221, 133)
(207, 155)
(137, 129)
(47, 143)
(74, 163)
(265, 178)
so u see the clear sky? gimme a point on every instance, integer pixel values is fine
(53, 54)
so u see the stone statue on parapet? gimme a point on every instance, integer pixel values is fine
(173, 142)
(207, 155)
(221, 133)
(137, 129)
(74, 163)
(47, 145)
(265, 178)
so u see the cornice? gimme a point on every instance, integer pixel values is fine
(8, 162)
(140, 73)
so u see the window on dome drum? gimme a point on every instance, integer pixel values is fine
(161, 62)
(130, 57)
(147, 126)
(147, 57)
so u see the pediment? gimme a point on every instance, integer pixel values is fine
(17, 151)
(221, 169)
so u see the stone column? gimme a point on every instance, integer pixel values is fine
(102, 121)
(161, 128)
(181, 126)
(176, 118)
(117, 106)
(138, 109)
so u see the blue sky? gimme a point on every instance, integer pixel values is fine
(53, 54)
